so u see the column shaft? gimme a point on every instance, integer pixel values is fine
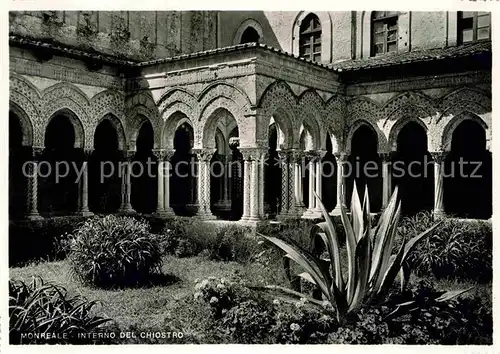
(439, 158)
(386, 180)
(32, 195)
(340, 159)
(246, 190)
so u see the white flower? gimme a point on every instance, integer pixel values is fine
(211, 278)
(213, 300)
(204, 283)
(197, 295)
(276, 302)
(220, 286)
(294, 327)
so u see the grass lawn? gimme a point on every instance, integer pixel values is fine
(155, 307)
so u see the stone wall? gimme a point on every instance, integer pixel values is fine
(140, 35)
(345, 34)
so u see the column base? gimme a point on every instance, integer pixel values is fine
(205, 215)
(166, 213)
(34, 216)
(336, 211)
(297, 212)
(438, 213)
(312, 214)
(84, 213)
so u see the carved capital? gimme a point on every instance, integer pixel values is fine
(341, 156)
(159, 154)
(87, 152)
(204, 154)
(385, 156)
(253, 154)
(439, 156)
(128, 155)
(37, 153)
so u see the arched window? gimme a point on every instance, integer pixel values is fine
(250, 35)
(384, 32)
(310, 38)
(473, 26)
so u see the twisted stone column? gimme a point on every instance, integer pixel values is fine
(439, 158)
(83, 187)
(285, 183)
(386, 179)
(32, 193)
(126, 187)
(341, 159)
(204, 158)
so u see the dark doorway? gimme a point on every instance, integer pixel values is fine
(412, 170)
(468, 173)
(364, 167)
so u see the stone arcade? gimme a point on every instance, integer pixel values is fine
(258, 88)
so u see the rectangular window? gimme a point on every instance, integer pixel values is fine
(384, 32)
(473, 26)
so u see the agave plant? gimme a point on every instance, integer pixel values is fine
(371, 268)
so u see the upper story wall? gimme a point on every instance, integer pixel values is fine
(140, 35)
(344, 34)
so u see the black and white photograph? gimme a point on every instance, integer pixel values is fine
(250, 177)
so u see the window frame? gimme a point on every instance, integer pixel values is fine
(384, 19)
(475, 28)
(309, 37)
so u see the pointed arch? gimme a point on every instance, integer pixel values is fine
(447, 133)
(279, 102)
(356, 125)
(464, 99)
(80, 138)
(120, 130)
(396, 128)
(170, 101)
(25, 122)
(172, 122)
(408, 104)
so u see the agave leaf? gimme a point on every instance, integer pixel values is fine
(402, 309)
(387, 250)
(404, 275)
(452, 294)
(332, 244)
(351, 251)
(306, 276)
(356, 214)
(367, 217)
(287, 291)
(363, 251)
(381, 234)
(306, 261)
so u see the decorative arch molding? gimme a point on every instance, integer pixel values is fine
(464, 99)
(173, 121)
(448, 129)
(67, 96)
(135, 118)
(278, 101)
(363, 108)
(396, 129)
(28, 99)
(210, 117)
(381, 139)
(249, 22)
(220, 89)
(119, 128)
(326, 34)
(144, 99)
(78, 126)
(311, 115)
(170, 98)
(25, 122)
(408, 105)
(335, 119)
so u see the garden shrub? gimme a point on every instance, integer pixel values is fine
(44, 308)
(37, 240)
(456, 249)
(113, 251)
(185, 238)
(241, 315)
